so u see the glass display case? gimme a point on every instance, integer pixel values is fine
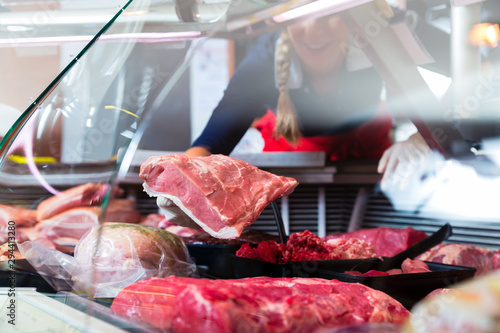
(92, 89)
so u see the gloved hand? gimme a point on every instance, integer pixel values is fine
(173, 213)
(401, 163)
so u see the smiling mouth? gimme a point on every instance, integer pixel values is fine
(316, 47)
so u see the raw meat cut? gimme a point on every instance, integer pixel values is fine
(302, 246)
(371, 272)
(462, 255)
(22, 217)
(496, 260)
(69, 226)
(220, 194)
(387, 241)
(83, 195)
(156, 220)
(261, 304)
(122, 210)
(410, 266)
(127, 251)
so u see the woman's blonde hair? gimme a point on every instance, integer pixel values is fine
(287, 124)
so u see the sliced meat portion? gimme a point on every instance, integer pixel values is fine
(410, 266)
(84, 195)
(68, 227)
(220, 194)
(496, 260)
(259, 304)
(17, 216)
(387, 241)
(156, 220)
(462, 255)
(23, 217)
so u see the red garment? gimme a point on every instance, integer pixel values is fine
(369, 140)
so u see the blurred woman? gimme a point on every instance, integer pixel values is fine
(297, 89)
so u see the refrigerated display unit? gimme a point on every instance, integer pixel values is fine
(99, 87)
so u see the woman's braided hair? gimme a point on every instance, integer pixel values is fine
(286, 119)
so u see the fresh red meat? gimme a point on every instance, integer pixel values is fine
(21, 217)
(262, 304)
(269, 251)
(220, 194)
(462, 255)
(156, 220)
(371, 272)
(69, 226)
(410, 266)
(496, 260)
(83, 195)
(440, 291)
(395, 271)
(387, 241)
(352, 248)
(304, 246)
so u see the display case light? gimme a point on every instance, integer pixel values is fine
(152, 37)
(316, 8)
(485, 34)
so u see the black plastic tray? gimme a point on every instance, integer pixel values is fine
(406, 288)
(244, 267)
(25, 280)
(213, 261)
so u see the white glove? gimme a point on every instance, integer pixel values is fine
(402, 162)
(173, 213)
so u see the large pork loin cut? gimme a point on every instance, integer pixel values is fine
(254, 305)
(222, 195)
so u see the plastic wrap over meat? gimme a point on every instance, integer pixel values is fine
(111, 257)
